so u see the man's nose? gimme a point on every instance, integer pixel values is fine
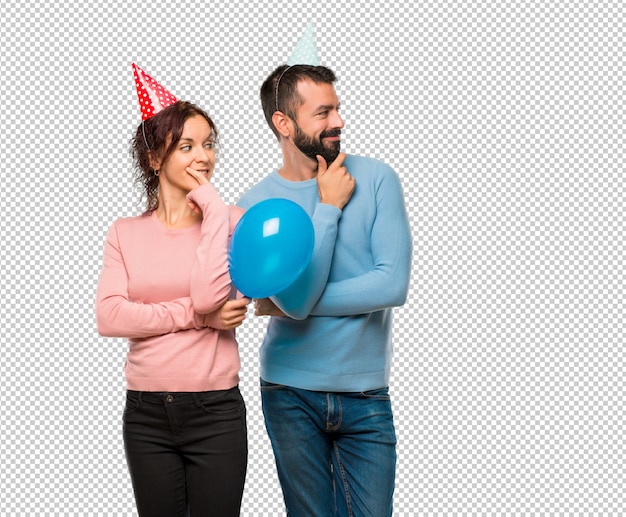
(337, 121)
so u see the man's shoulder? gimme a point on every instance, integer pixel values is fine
(258, 191)
(367, 166)
(365, 162)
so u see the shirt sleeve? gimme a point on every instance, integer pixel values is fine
(386, 284)
(118, 316)
(301, 296)
(210, 278)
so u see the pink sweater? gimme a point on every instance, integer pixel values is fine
(162, 289)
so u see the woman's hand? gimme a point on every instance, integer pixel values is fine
(233, 312)
(202, 179)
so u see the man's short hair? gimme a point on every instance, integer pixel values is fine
(279, 92)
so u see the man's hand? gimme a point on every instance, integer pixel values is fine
(334, 184)
(233, 312)
(266, 307)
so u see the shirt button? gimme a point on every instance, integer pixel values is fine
(169, 398)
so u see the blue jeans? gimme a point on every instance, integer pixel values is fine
(335, 452)
(187, 452)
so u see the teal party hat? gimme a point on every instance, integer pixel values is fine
(305, 52)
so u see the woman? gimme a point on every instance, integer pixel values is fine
(165, 286)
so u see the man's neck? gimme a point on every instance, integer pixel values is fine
(296, 165)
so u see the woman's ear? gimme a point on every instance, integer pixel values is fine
(154, 162)
(282, 123)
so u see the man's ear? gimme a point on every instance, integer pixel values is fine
(282, 123)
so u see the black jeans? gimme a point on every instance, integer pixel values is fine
(187, 452)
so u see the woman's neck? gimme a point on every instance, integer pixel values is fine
(176, 214)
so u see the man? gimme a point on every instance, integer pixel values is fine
(326, 356)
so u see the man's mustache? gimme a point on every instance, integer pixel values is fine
(330, 132)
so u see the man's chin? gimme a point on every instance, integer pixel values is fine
(331, 152)
(331, 156)
(328, 152)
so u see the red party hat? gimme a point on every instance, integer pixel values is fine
(151, 95)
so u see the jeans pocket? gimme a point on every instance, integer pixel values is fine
(378, 394)
(222, 402)
(133, 402)
(270, 386)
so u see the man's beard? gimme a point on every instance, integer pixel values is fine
(311, 147)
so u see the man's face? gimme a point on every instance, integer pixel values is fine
(311, 146)
(318, 125)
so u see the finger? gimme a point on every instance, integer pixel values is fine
(238, 313)
(242, 302)
(197, 175)
(337, 162)
(231, 324)
(237, 306)
(233, 319)
(192, 172)
(194, 207)
(322, 166)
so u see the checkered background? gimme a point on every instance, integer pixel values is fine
(505, 122)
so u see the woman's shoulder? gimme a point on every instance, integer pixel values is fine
(235, 213)
(132, 223)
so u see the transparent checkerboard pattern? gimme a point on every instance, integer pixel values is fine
(505, 123)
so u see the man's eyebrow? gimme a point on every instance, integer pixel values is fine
(328, 106)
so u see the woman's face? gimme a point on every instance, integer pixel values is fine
(194, 150)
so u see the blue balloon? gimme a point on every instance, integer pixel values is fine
(270, 248)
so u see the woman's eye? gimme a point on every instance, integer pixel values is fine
(209, 145)
(185, 148)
